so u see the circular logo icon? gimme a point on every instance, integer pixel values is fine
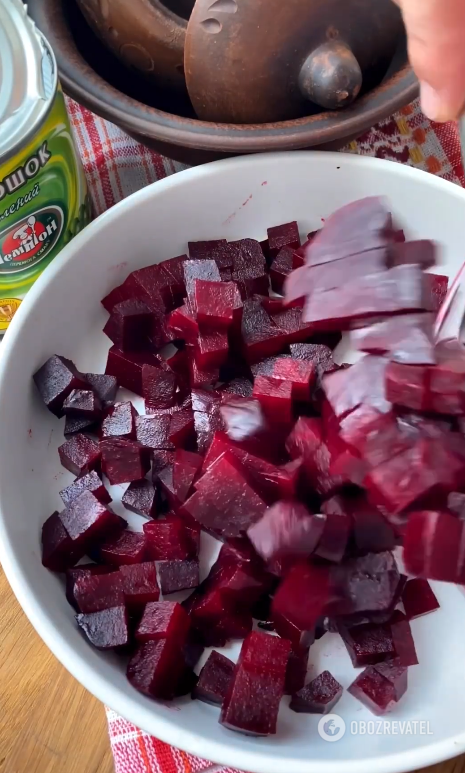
(8, 308)
(331, 728)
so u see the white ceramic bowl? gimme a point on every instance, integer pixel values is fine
(62, 314)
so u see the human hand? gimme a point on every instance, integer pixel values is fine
(436, 43)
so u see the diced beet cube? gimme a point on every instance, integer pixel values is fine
(447, 383)
(296, 671)
(205, 250)
(292, 325)
(105, 387)
(286, 528)
(202, 377)
(186, 467)
(319, 354)
(87, 520)
(75, 425)
(317, 697)
(119, 294)
(275, 397)
(433, 546)
(83, 403)
(215, 303)
(120, 421)
(168, 540)
(214, 679)
(249, 270)
(178, 575)
(162, 289)
(335, 536)
(408, 339)
(224, 504)
(302, 375)
(200, 269)
(140, 498)
(437, 285)
(260, 336)
(205, 400)
(418, 598)
(368, 644)
(156, 668)
(371, 532)
(58, 551)
(83, 570)
(182, 427)
(281, 267)
(124, 461)
(367, 583)
(106, 629)
(408, 385)
(166, 487)
(126, 367)
(211, 350)
(163, 620)
(380, 687)
(139, 584)
(96, 592)
(130, 326)
(160, 460)
(285, 235)
(252, 701)
(55, 380)
(304, 595)
(375, 436)
(239, 387)
(402, 639)
(127, 548)
(158, 387)
(183, 324)
(363, 382)
(243, 418)
(266, 366)
(422, 252)
(206, 425)
(308, 442)
(80, 455)
(153, 432)
(90, 482)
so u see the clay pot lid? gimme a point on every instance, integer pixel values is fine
(260, 61)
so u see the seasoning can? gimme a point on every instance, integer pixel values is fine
(43, 194)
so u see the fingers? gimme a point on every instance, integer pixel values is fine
(436, 42)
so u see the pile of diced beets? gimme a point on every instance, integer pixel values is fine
(309, 473)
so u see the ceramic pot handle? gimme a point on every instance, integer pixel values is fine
(331, 76)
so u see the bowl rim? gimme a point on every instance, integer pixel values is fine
(168, 729)
(95, 93)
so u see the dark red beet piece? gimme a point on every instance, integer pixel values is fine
(139, 584)
(58, 551)
(178, 575)
(161, 288)
(408, 385)
(156, 668)
(319, 354)
(187, 466)
(163, 620)
(90, 482)
(317, 697)
(130, 326)
(83, 403)
(214, 679)
(252, 701)
(408, 339)
(304, 595)
(153, 432)
(281, 267)
(83, 570)
(216, 303)
(140, 498)
(127, 548)
(433, 546)
(93, 593)
(124, 461)
(371, 532)
(275, 397)
(126, 367)
(183, 324)
(447, 381)
(119, 294)
(249, 270)
(403, 640)
(182, 427)
(422, 252)
(239, 387)
(285, 235)
(335, 536)
(418, 598)
(80, 455)
(78, 424)
(87, 520)
(380, 687)
(106, 629)
(202, 377)
(105, 387)
(302, 376)
(120, 421)
(266, 366)
(224, 504)
(158, 387)
(296, 671)
(199, 269)
(260, 336)
(437, 285)
(286, 528)
(368, 644)
(367, 583)
(363, 382)
(211, 350)
(55, 380)
(168, 540)
(208, 250)
(307, 441)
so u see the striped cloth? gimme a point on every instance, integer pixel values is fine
(115, 166)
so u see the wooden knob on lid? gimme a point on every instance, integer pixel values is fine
(331, 76)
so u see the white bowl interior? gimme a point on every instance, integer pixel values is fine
(63, 315)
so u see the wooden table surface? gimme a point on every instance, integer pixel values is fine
(48, 722)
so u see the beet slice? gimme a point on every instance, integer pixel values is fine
(408, 385)
(107, 629)
(275, 397)
(368, 644)
(168, 540)
(80, 455)
(140, 498)
(126, 367)
(285, 235)
(139, 584)
(287, 528)
(55, 380)
(90, 482)
(408, 339)
(83, 403)
(318, 696)
(363, 382)
(296, 671)
(418, 598)
(131, 325)
(83, 570)
(124, 461)
(58, 551)
(153, 432)
(163, 620)
(403, 640)
(252, 701)
(156, 668)
(176, 576)
(434, 546)
(105, 387)
(94, 593)
(158, 387)
(187, 466)
(127, 548)
(120, 421)
(88, 521)
(423, 252)
(437, 285)
(214, 679)
(380, 687)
